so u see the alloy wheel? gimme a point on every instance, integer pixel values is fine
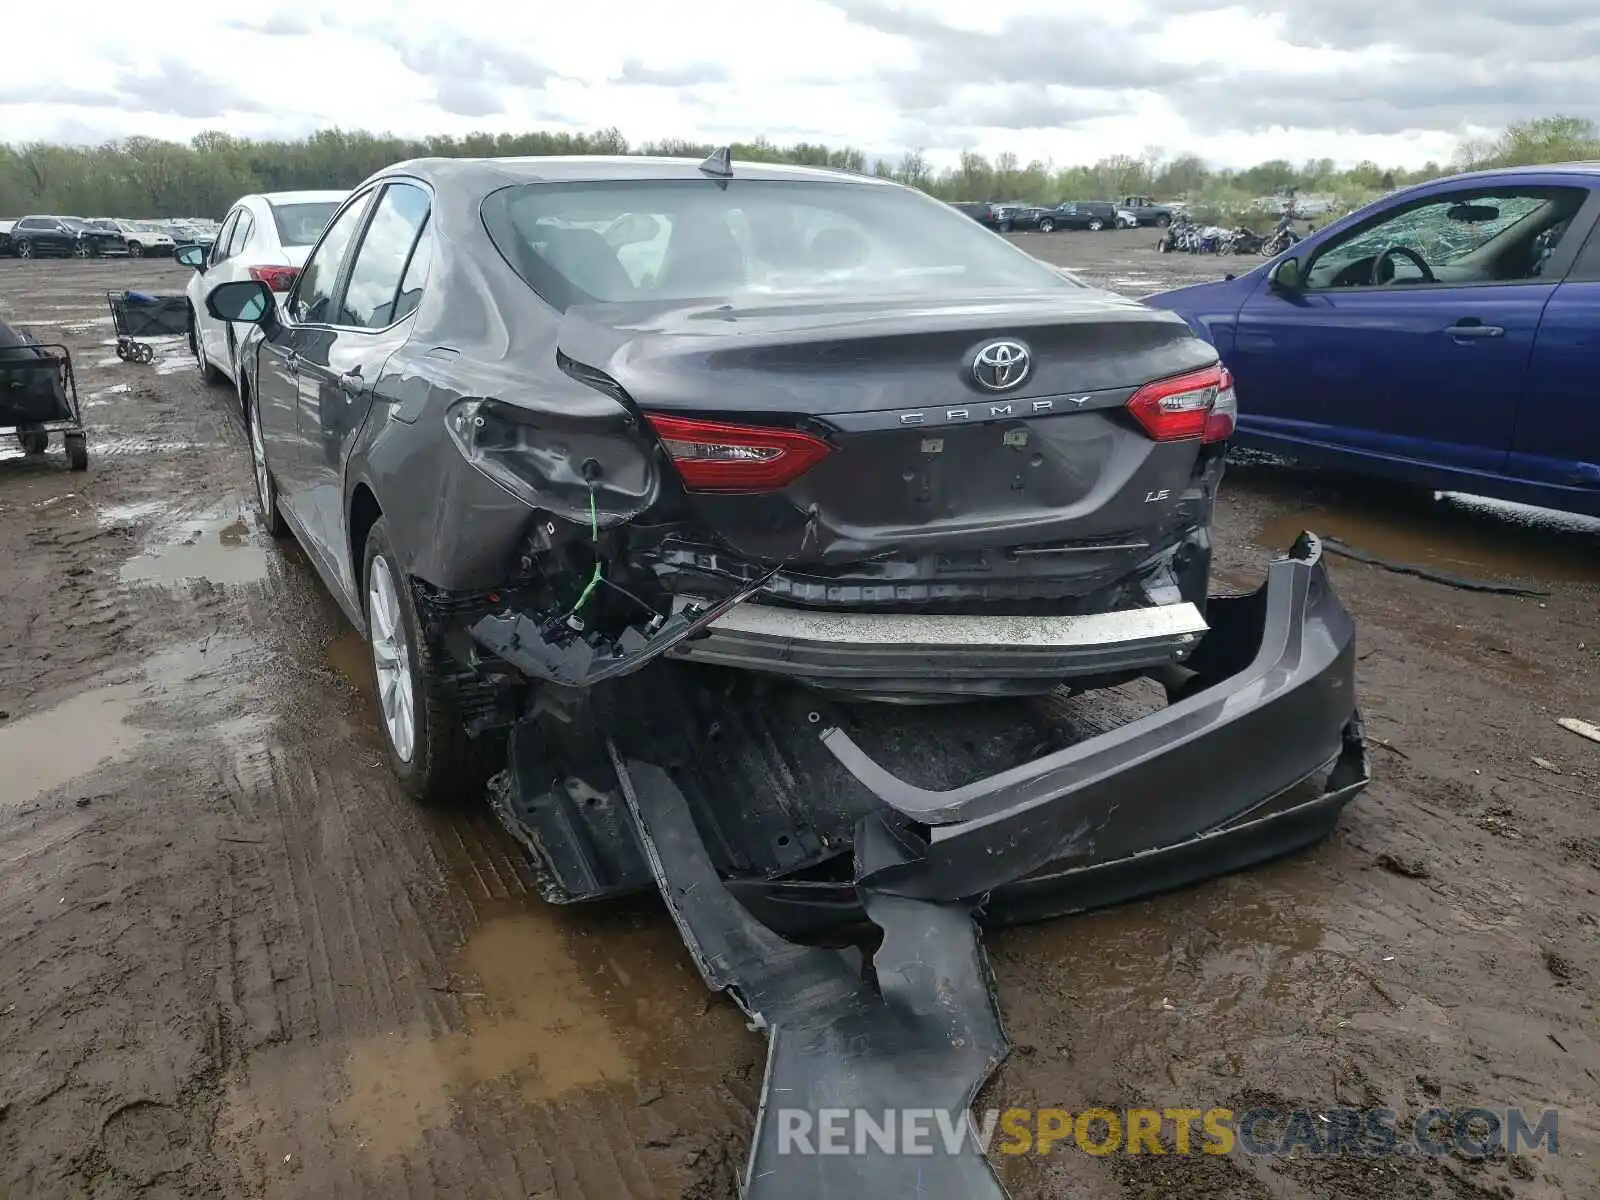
(258, 459)
(391, 659)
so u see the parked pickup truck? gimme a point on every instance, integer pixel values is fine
(1146, 211)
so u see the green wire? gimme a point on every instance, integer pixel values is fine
(594, 533)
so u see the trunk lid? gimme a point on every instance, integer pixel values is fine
(924, 456)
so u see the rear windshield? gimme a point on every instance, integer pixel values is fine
(302, 224)
(652, 240)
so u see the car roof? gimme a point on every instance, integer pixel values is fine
(588, 168)
(325, 196)
(1582, 169)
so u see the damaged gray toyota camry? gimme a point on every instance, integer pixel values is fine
(853, 478)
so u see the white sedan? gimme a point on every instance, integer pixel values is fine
(264, 237)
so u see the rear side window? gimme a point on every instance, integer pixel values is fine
(381, 260)
(416, 276)
(302, 224)
(219, 248)
(645, 241)
(241, 233)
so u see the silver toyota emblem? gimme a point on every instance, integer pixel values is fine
(1000, 366)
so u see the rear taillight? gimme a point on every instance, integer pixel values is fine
(1224, 412)
(713, 457)
(279, 279)
(1173, 409)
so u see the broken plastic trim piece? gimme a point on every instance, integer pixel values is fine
(922, 1042)
(565, 656)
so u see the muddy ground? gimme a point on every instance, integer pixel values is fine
(234, 962)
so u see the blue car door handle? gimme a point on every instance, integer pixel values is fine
(1473, 330)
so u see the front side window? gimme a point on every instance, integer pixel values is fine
(642, 241)
(312, 300)
(380, 264)
(1499, 235)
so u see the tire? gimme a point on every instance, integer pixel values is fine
(78, 451)
(135, 249)
(1047, 226)
(82, 250)
(1096, 224)
(1163, 221)
(24, 248)
(209, 375)
(33, 441)
(266, 486)
(1005, 226)
(444, 765)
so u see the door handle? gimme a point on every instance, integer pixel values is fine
(1474, 330)
(351, 384)
(291, 362)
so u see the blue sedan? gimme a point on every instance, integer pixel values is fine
(1447, 335)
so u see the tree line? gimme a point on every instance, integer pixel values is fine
(148, 177)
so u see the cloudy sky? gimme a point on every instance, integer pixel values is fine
(1396, 82)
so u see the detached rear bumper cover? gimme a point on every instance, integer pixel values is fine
(1272, 707)
(1257, 759)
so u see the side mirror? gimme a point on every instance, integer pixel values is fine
(247, 300)
(1286, 276)
(191, 256)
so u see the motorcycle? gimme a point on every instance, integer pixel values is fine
(1281, 238)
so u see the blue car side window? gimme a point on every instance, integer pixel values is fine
(1491, 236)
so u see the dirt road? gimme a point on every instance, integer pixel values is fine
(234, 962)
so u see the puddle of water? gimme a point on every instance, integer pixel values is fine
(115, 389)
(222, 554)
(350, 657)
(53, 747)
(550, 1036)
(572, 1005)
(1463, 535)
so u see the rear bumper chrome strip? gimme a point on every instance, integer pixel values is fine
(842, 646)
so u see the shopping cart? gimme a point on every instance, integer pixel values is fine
(39, 396)
(139, 315)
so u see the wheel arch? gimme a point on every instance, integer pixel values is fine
(364, 514)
